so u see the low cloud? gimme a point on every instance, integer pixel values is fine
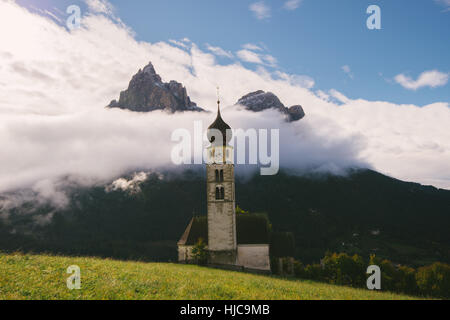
(432, 79)
(55, 132)
(131, 186)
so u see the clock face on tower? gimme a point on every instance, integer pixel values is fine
(220, 155)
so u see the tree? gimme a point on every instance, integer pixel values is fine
(200, 253)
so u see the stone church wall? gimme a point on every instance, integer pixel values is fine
(184, 253)
(254, 256)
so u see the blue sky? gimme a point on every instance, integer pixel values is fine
(317, 39)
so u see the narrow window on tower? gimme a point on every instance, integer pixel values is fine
(222, 193)
(217, 193)
(221, 175)
(217, 176)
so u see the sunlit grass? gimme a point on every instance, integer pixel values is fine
(44, 277)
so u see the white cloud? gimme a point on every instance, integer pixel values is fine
(178, 43)
(292, 4)
(339, 96)
(55, 131)
(218, 51)
(252, 47)
(260, 10)
(100, 6)
(270, 60)
(296, 80)
(253, 57)
(249, 56)
(132, 185)
(348, 71)
(432, 79)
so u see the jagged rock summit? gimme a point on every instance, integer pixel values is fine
(259, 100)
(146, 92)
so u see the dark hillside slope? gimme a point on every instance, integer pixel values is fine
(363, 213)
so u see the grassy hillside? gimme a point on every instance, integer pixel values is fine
(44, 277)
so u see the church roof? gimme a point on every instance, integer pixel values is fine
(196, 229)
(250, 229)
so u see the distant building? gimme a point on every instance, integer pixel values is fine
(232, 240)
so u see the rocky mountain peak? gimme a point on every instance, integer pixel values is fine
(146, 92)
(260, 100)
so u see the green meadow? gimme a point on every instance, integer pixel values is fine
(24, 276)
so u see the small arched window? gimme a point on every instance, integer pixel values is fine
(217, 176)
(221, 176)
(220, 193)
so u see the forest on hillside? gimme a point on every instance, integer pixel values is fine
(363, 213)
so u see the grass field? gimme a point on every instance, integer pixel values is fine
(44, 277)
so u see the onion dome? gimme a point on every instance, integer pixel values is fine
(222, 127)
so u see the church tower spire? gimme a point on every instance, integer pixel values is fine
(220, 185)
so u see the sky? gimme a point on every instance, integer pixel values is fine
(325, 40)
(55, 83)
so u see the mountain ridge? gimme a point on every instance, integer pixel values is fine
(147, 92)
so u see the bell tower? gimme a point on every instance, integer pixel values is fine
(222, 244)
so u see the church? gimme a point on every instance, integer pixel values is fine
(233, 240)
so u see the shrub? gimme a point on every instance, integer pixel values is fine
(344, 270)
(299, 269)
(406, 281)
(434, 280)
(314, 272)
(200, 253)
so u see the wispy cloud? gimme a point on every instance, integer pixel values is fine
(260, 9)
(292, 4)
(270, 60)
(432, 79)
(296, 80)
(348, 71)
(253, 57)
(178, 43)
(218, 51)
(249, 56)
(444, 3)
(251, 46)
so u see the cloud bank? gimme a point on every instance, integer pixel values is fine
(55, 130)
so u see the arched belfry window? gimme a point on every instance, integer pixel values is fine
(217, 176)
(220, 193)
(217, 193)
